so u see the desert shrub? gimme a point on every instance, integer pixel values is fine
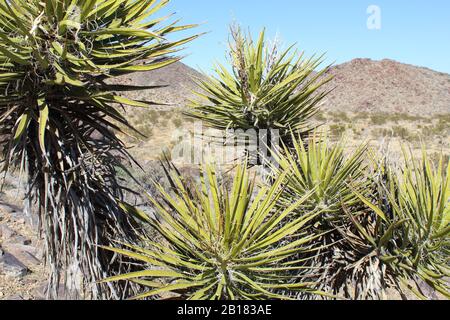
(320, 116)
(221, 242)
(163, 123)
(338, 129)
(442, 128)
(380, 132)
(380, 119)
(358, 131)
(411, 227)
(146, 130)
(340, 116)
(401, 132)
(361, 116)
(397, 117)
(430, 131)
(177, 122)
(153, 115)
(396, 132)
(443, 117)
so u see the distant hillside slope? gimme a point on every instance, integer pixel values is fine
(177, 79)
(361, 85)
(387, 86)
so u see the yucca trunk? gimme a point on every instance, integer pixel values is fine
(78, 210)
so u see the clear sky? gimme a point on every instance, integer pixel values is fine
(412, 31)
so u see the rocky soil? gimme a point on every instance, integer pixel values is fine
(22, 274)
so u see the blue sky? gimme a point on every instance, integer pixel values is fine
(412, 31)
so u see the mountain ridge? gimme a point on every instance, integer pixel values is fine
(388, 86)
(359, 85)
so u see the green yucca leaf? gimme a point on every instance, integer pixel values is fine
(352, 237)
(375, 209)
(22, 126)
(227, 243)
(43, 121)
(148, 273)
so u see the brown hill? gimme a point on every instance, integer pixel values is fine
(361, 85)
(372, 100)
(387, 86)
(176, 79)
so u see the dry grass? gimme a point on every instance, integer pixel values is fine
(163, 129)
(378, 128)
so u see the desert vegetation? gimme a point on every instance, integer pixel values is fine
(59, 118)
(325, 218)
(340, 224)
(266, 90)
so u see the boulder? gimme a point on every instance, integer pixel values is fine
(8, 208)
(10, 236)
(27, 258)
(18, 214)
(427, 290)
(17, 248)
(20, 240)
(6, 232)
(10, 266)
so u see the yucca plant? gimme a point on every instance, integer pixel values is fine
(412, 229)
(59, 117)
(331, 174)
(221, 243)
(264, 89)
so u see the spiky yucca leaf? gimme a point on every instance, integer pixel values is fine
(265, 89)
(59, 115)
(221, 243)
(414, 236)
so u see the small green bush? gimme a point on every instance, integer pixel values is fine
(340, 117)
(338, 129)
(177, 122)
(380, 119)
